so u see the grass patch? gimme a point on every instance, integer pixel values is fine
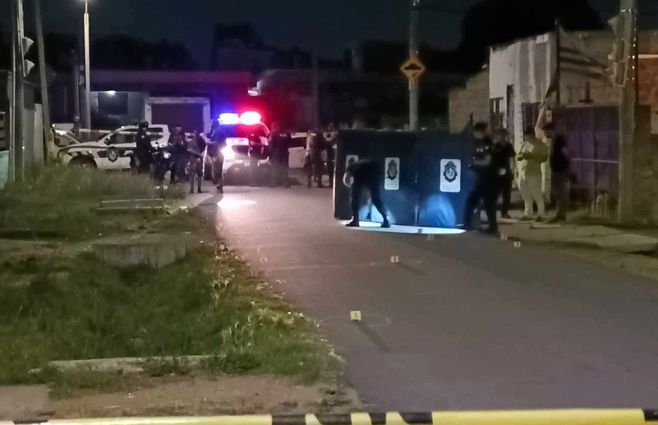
(60, 202)
(207, 303)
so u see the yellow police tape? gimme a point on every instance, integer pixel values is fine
(502, 417)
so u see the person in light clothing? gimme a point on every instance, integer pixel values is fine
(531, 156)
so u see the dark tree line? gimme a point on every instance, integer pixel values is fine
(487, 23)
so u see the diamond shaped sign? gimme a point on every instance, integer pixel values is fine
(413, 68)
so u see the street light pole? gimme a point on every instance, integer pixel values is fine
(87, 68)
(414, 86)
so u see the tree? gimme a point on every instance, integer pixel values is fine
(492, 22)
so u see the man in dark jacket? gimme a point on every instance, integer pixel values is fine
(279, 155)
(215, 147)
(560, 164)
(360, 175)
(196, 149)
(143, 149)
(178, 148)
(485, 188)
(504, 154)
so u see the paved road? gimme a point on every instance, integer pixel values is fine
(463, 322)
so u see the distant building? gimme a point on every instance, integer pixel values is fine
(188, 98)
(521, 72)
(469, 103)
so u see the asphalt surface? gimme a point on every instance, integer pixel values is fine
(462, 322)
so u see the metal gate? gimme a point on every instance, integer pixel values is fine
(592, 134)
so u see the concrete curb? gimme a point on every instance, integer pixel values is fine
(511, 417)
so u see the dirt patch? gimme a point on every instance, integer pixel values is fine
(188, 395)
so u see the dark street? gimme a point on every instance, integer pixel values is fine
(463, 321)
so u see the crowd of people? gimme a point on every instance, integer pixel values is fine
(185, 158)
(496, 165)
(320, 156)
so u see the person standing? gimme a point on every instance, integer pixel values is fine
(196, 151)
(280, 142)
(560, 167)
(504, 154)
(178, 148)
(330, 137)
(313, 162)
(365, 175)
(315, 145)
(214, 149)
(485, 188)
(532, 155)
(143, 149)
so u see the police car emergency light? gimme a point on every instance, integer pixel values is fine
(246, 118)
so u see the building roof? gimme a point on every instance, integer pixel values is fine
(101, 76)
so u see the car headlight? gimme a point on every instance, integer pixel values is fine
(228, 152)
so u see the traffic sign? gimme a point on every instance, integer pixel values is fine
(413, 68)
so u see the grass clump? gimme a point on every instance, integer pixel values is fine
(206, 304)
(60, 202)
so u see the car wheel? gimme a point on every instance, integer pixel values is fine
(83, 162)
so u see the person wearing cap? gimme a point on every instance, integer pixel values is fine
(485, 188)
(531, 156)
(143, 149)
(504, 154)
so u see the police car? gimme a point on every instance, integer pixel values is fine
(113, 151)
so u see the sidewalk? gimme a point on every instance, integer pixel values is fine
(591, 236)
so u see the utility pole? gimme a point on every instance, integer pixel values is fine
(627, 109)
(19, 76)
(12, 100)
(414, 84)
(87, 68)
(558, 62)
(43, 78)
(315, 91)
(75, 67)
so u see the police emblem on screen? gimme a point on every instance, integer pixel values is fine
(392, 174)
(450, 175)
(450, 172)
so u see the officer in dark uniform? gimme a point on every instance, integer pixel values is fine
(485, 188)
(217, 142)
(178, 149)
(360, 175)
(279, 143)
(196, 150)
(143, 149)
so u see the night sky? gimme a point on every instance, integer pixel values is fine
(331, 24)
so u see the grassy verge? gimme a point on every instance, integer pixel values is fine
(60, 202)
(208, 303)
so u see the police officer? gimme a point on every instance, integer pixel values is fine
(196, 151)
(217, 142)
(178, 148)
(485, 189)
(144, 149)
(279, 155)
(360, 175)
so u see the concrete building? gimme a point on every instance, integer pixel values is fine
(469, 103)
(521, 72)
(188, 98)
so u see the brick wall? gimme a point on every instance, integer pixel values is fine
(473, 99)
